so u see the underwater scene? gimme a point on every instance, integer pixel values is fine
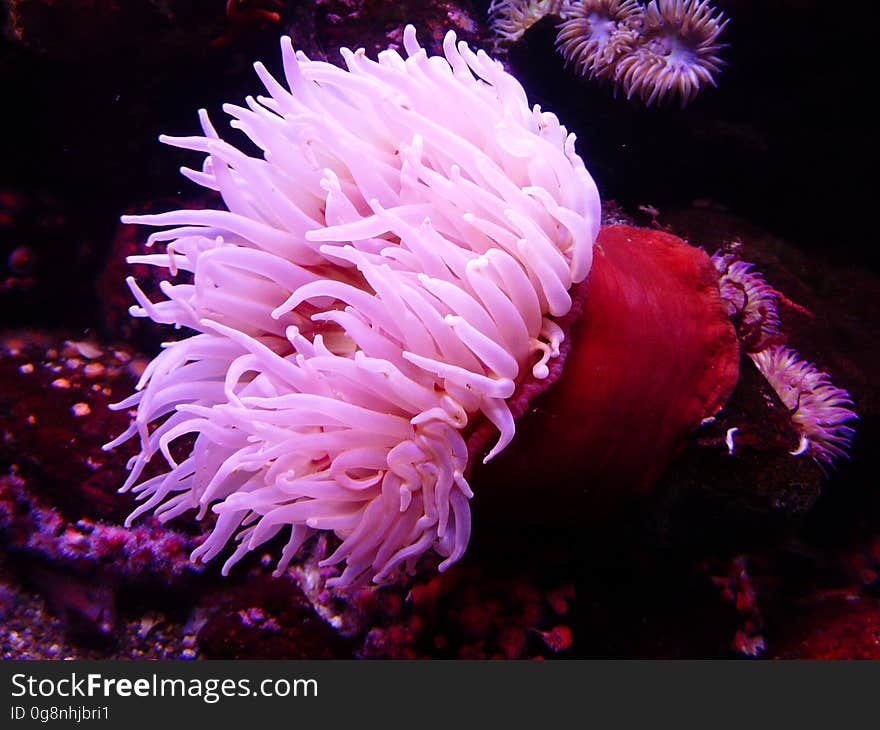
(452, 329)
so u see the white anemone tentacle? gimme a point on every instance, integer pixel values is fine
(386, 271)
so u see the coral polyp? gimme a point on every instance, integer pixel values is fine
(596, 33)
(677, 53)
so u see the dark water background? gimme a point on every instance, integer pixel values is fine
(784, 142)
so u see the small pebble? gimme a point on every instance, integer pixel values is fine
(93, 369)
(80, 409)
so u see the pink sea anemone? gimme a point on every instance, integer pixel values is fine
(387, 270)
(595, 33)
(651, 356)
(677, 53)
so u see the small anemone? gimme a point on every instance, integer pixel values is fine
(819, 409)
(750, 301)
(677, 53)
(510, 19)
(596, 33)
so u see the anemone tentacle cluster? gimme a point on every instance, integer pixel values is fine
(386, 272)
(665, 49)
(597, 33)
(750, 301)
(677, 53)
(820, 411)
(510, 19)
